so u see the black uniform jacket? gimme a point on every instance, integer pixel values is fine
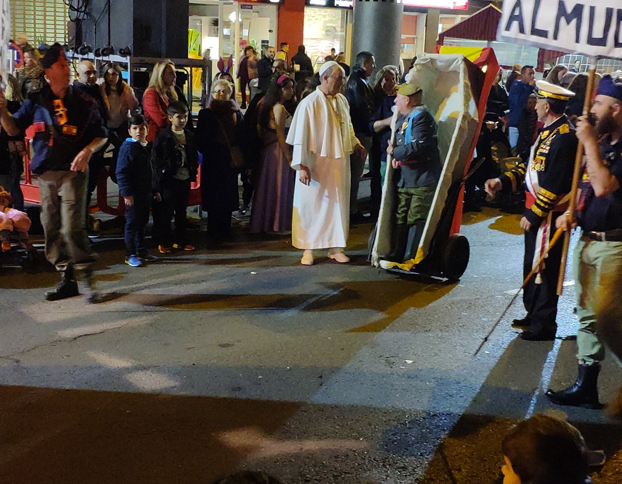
(360, 96)
(552, 165)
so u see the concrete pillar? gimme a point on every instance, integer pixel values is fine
(431, 29)
(377, 28)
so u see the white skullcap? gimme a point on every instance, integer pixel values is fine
(326, 66)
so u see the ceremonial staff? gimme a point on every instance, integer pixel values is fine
(588, 27)
(578, 164)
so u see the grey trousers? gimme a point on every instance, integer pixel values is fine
(63, 208)
(357, 165)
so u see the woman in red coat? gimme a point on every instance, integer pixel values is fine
(160, 92)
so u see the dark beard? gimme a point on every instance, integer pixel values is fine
(607, 124)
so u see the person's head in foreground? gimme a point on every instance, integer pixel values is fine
(544, 450)
(248, 477)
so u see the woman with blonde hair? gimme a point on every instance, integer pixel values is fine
(159, 93)
(31, 76)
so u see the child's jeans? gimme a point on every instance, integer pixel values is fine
(174, 202)
(136, 220)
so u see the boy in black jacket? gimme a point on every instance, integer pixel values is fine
(135, 186)
(175, 162)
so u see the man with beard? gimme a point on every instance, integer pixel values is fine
(598, 254)
(548, 179)
(265, 68)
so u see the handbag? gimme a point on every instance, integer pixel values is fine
(235, 153)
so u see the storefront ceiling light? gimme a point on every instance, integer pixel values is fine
(233, 16)
(275, 1)
(321, 3)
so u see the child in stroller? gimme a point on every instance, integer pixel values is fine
(14, 226)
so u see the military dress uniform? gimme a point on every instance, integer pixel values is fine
(548, 180)
(597, 273)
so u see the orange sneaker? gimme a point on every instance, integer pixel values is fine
(6, 246)
(164, 250)
(184, 247)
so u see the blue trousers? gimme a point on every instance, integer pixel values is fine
(136, 220)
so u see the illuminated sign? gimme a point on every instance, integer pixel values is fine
(449, 4)
(444, 4)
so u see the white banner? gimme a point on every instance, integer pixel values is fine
(5, 37)
(591, 27)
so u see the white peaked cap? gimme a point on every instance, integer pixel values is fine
(326, 66)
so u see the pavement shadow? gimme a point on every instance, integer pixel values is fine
(111, 437)
(471, 450)
(392, 298)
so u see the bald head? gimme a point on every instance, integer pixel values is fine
(87, 74)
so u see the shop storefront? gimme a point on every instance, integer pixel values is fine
(327, 25)
(224, 29)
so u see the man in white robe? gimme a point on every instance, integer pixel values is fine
(322, 136)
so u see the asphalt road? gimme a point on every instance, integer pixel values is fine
(239, 358)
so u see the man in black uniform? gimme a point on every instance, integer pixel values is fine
(598, 254)
(69, 130)
(548, 179)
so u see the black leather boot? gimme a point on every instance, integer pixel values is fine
(584, 392)
(67, 287)
(399, 243)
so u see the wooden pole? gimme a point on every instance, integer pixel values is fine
(554, 239)
(578, 164)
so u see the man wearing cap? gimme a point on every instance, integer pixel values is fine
(548, 180)
(69, 130)
(323, 139)
(598, 254)
(415, 156)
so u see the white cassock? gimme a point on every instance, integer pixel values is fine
(323, 139)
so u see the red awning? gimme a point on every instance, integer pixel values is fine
(479, 26)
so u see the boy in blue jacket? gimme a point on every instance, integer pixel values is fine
(175, 162)
(134, 177)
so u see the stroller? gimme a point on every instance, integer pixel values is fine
(15, 245)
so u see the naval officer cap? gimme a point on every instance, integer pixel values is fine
(408, 89)
(608, 87)
(547, 90)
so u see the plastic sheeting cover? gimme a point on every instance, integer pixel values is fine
(447, 94)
